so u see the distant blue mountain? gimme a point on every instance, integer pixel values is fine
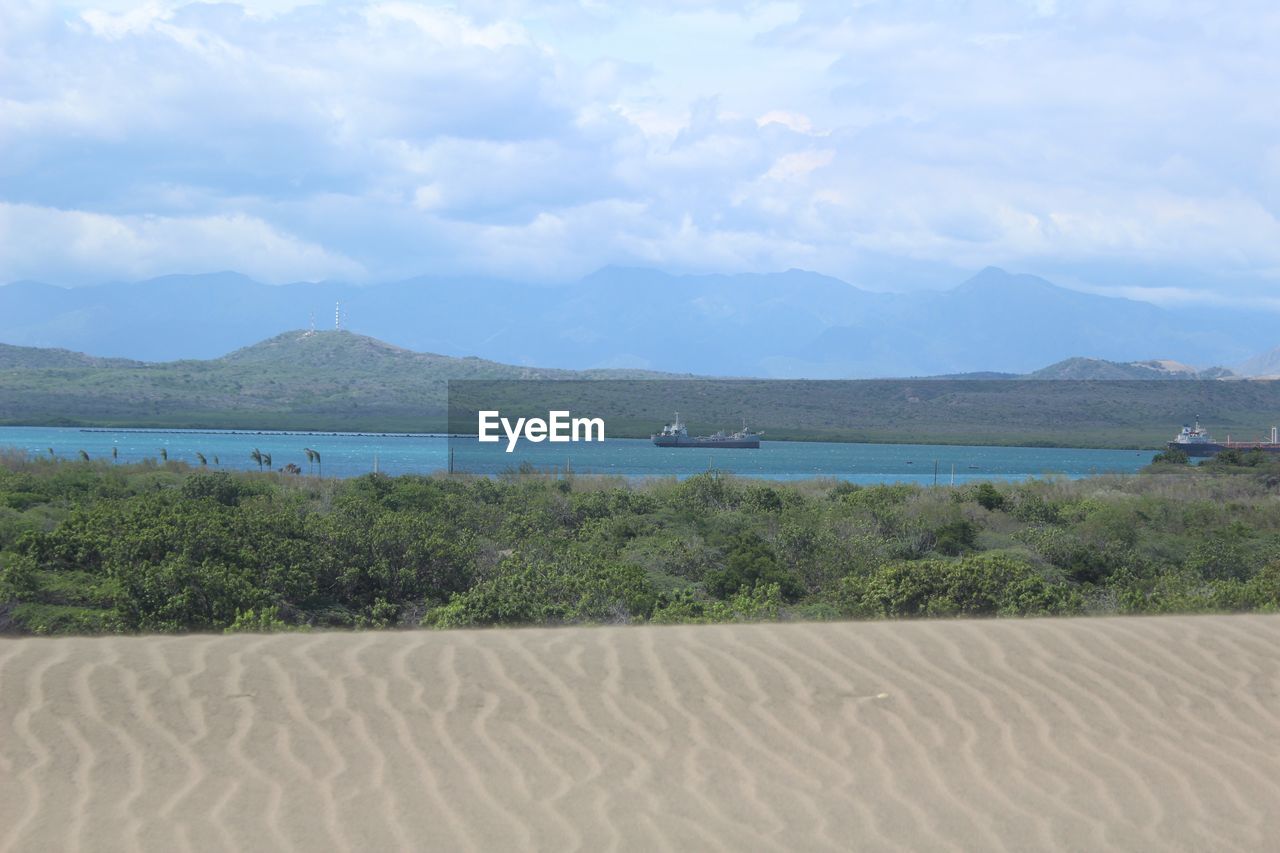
(789, 324)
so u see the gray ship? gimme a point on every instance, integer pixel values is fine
(674, 434)
(1196, 442)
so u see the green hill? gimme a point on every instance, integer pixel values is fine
(296, 380)
(35, 357)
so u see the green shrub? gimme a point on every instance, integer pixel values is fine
(1262, 591)
(756, 604)
(1033, 508)
(750, 561)
(979, 585)
(18, 577)
(219, 486)
(956, 537)
(265, 620)
(529, 591)
(56, 619)
(988, 497)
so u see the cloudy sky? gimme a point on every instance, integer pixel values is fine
(1129, 147)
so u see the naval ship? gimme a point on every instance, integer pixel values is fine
(674, 434)
(1196, 441)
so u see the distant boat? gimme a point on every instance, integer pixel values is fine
(675, 434)
(1196, 441)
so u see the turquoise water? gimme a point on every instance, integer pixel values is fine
(352, 454)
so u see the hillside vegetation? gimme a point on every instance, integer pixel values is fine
(324, 380)
(346, 382)
(26, 358)
(91, 547)
(1021, 412)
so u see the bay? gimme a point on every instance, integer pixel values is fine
(354, 454)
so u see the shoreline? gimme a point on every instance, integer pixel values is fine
(915, 441)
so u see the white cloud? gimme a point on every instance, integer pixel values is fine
(445, 27)
(798, 164)
(428, 197)
(63, 244)
(117, 25)
(799, 122)
(384, 138)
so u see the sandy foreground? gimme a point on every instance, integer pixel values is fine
(1134, 733)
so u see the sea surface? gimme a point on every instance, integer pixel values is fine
(354, 454)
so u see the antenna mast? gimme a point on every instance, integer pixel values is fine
(337, 316)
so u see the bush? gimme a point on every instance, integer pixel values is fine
(750, 561)
(1230, 554)
(54, 619)
(980, 585)
(988, 497)
(844, 487)
(263, 621)
(219, 486)
(1032, 508)
(1233, 456)
(955, 537)
(536, 592)
(762, 602)
(18, 578)
(1262, 592)
(709, 491)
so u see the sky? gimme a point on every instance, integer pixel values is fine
(1130, 148)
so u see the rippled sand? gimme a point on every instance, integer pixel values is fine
(1131, 733)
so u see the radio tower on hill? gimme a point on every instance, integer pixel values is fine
(337, 316)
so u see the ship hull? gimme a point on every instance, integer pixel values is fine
(726, 444)
(1212, 448)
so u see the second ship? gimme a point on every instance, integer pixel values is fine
(675, 434)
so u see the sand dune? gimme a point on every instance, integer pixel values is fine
(1151, 734)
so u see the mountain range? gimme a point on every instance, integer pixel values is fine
(1266, 365)
(791, 324)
